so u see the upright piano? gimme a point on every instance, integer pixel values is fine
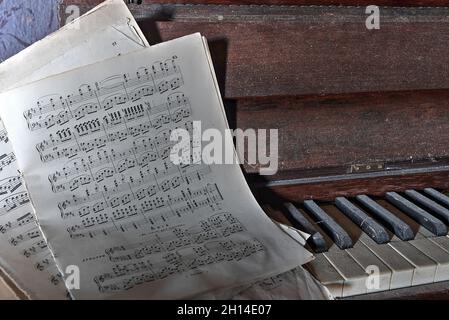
(363, 120)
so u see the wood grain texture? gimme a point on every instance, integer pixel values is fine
(285, 50)
(349, 187)
(396, 3)
(399, 129)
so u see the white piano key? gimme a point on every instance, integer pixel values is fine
(371, 263)
(437, 254)
(326, 274)
(425, 267)
(354, 275)
(424, 243)
(443, 242)
(401, 270)
(366, 259)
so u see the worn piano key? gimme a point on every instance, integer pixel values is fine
(438, 196)
(443, 242)
(277, 215)
(436, 226)
(316, 239)
(354, 275)
(401, 270)
(325, 272)
(414, 225)
(435, 248)
(371, 263)
(338, 235)
(422, 235)
(429, 204)
(360, 253)
(425, 267)
(362, 220)
(437, 254)
(399, 227)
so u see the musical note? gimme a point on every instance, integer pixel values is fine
(4, 136)
(10, 184)
(6, 160)
(172, 175)
(164, 70)
(13, 202)
(23, 237)
(128, 275)
(196, 199)
(112, 196)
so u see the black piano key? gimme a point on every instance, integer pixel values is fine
(363, 221)
(316, 239)
(438, 196)
(428, 221)
(338, 235)
(429, 204)
(402, 230)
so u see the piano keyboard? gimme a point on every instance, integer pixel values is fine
(402, 238)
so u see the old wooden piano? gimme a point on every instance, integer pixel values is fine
(363, 119)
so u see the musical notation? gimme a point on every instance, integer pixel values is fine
(4, 136)
(10, 184)
(36, 248)
(170, 112)
(113, 197)
(44, 263)
(142, 214)
(127, 276)
(23, 237)
(6, 159)
(146, 148)
(13, 202)
(124, 192)
(21, 221)
(220, 225)
(158, 71)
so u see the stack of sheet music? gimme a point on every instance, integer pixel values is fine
(92, 205)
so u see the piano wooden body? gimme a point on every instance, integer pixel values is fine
(359, 112)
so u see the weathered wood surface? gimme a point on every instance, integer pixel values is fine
(395, 3)
(291, 50)
(396, 129)
(347, 186)
(281, 52)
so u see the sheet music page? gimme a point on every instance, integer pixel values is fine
(94, 147)
(25, 256)
(296, 284)
(104, 32)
